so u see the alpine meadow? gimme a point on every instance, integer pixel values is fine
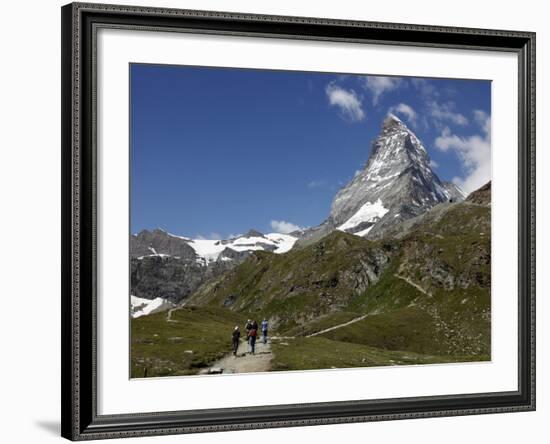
(292, 221)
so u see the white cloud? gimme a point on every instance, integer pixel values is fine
(433, 164)
(474, 152)
(284, 227)
(446, 112)
(426, 88)
(404, 110)
(483, 119)
(440, 113)
(379, 85)
(346, 100)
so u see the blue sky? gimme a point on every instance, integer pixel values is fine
(217, 151)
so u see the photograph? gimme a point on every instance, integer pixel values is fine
(297, 221)
(275, 219)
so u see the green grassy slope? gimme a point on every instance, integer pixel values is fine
(322, 353)
(301, 285)
(194, 338)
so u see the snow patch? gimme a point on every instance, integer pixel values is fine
(251, 241)
(369, 212)
(156, 255)
(284, 242)
(210, 249)
(142, 307)
(364, 232)
(179, 237)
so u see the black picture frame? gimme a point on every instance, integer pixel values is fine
(80, 22)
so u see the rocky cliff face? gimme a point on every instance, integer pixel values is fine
(396, 184)
(172, 278)
(159, 242)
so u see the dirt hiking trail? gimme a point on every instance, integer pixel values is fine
(244, 362)
(335, 327)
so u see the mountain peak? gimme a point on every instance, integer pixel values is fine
(392, 123)
(392, 118)
(397, 183)
(253, 233)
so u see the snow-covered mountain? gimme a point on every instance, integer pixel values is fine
(209, 250)
(166, 268)
(396, 184)
(205, 251)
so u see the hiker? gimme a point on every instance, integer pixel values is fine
(252, 338)
(255, 325)
(235, 337)
(248, 327)
(264, 330)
